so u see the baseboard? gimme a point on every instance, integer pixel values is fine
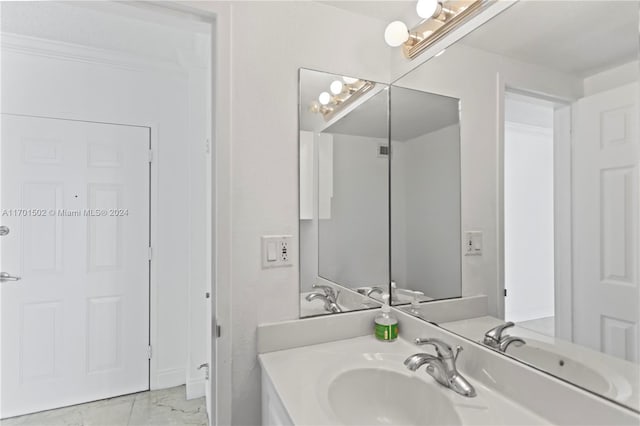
(196, 388)
(169, 378)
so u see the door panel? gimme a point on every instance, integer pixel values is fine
(605, 217)
(75, 328)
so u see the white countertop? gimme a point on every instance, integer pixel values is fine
(301, 378)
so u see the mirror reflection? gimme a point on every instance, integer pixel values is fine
(344, 192)
(550, 187)
(425, 196)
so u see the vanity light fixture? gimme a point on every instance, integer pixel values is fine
(343, 93)
(440, 17)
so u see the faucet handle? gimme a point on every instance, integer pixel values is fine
(495, 333)
(458, 350)
(443, 350)
(328, 291)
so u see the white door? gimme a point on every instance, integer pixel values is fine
(605, 222)
(75, 328)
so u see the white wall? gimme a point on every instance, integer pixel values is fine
(430, 170)
(263, 44)
(398, 207)
(68, 81)
(481, 116)
(308, 246)
(354, 241)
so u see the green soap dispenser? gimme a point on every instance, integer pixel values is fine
(386, 325)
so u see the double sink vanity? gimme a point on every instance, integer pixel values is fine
(333, 371)
(476, 172)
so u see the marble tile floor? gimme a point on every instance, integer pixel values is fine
(544, 326)
(155, 408)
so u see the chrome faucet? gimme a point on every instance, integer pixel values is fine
(495, 334)
(442, 366)
(496, 340)
(329, 296)
(329, 291)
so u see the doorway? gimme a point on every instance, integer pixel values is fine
(529, 212)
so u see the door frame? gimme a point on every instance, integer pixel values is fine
(219, 16)
(562, 147)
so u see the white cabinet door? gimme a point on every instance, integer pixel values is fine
(605, 222)
(75, 328)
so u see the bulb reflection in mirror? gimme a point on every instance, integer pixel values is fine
(336, 87)
(324, 98)
(396, 33)
(349, 80)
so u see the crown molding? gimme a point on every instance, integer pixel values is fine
(35, 46)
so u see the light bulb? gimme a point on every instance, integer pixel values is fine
(349, 80)
(428, 8)
(396, 33)
(324, 98)
(336, 87)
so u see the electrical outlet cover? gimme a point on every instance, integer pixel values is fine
(282, 257)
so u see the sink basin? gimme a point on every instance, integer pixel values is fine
(535, 353)
(373, 396)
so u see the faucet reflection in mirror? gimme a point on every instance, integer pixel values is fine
(329, 296)
(496, 340)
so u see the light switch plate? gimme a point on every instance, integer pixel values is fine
(276, 251)
(473, 243)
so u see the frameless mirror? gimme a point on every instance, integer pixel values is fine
(550, 187)
(425, 196)
(344, 192)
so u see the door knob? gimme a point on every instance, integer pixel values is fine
(4, 276)
(4, 230)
